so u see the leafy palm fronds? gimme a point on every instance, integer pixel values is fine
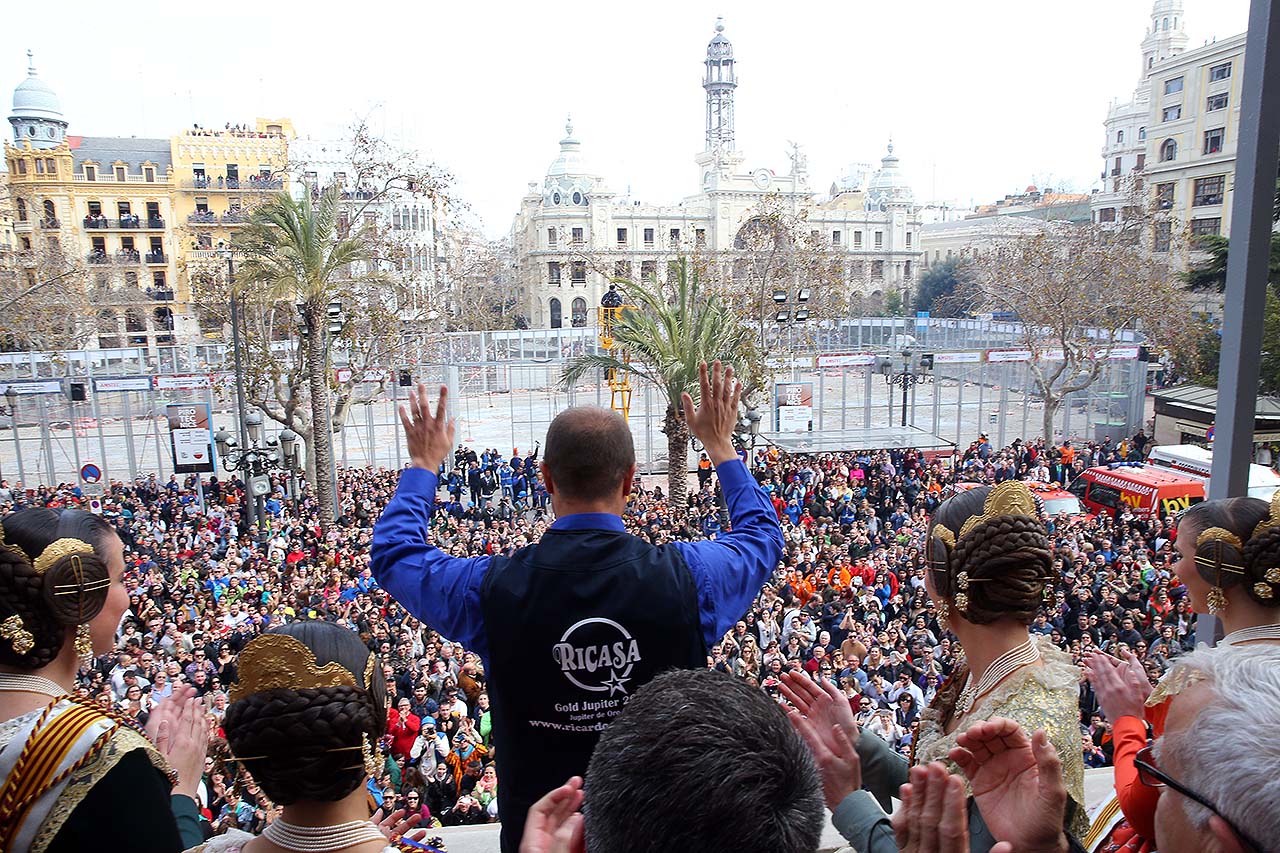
(291, 248)
(667, 339)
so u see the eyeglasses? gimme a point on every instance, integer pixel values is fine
(1153, 777)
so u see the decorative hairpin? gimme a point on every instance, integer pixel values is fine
(15, 631)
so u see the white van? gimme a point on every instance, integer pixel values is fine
(1198, 462)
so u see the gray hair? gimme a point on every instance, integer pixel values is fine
(1229, 753)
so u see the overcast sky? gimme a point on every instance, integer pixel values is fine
(981, 98)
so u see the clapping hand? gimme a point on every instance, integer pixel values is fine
(554, 824)
(823, 717)
(1121, 686)
(934, 817)
(1017, 784)
(394, 826)
(178, 729)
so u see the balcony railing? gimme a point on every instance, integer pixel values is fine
(232, 217)
(110, 178)
(50, 222)
(161, 295)
(203, 217)
(203, 255)
(156, 258)
(97, 257)
(128, 223)
(222, 183)
(125, 257)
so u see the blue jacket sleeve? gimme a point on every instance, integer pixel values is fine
(729, 571)
(442, 591)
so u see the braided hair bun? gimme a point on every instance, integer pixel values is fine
(310, 743)
(1007, 559)
(71, 591)
(1254, 524)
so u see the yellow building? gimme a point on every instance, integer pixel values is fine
(217, 177)
(132, 213)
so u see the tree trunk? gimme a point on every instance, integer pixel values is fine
(677, 431)
(322, 437)
(1051, 405)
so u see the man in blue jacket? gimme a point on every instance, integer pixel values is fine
(571, 626)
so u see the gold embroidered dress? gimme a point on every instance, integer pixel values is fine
(78, 744)
(1044, 696)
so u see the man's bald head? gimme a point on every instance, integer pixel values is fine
(589, 453)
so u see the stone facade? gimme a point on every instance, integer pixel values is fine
(573, 232)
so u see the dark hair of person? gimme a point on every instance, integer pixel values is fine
(308, 744)
(589, 451)
(1260, 555)
(743, 778)
(31, 596)
(1008, 558)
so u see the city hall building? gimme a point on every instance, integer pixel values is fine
(573, 233)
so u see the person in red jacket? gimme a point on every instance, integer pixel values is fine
(403, 725)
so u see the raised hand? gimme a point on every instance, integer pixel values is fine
(933, 817)
(713, 420)
(429, 437)
(554, 824)
(1017, 784)
(1122, 687)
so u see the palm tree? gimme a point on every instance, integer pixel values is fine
(665, 337)
(295, 251)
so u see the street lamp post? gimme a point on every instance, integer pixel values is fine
(224, 251)
(288, 455)
(254, 462)
(11, 395)
(908, 378)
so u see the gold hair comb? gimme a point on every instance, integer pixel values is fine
(58, 549)
(1012, 497)
(275, 661)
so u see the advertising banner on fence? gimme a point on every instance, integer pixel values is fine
(126, 383)
(191, 437)
(995, 356)
(793, 403)
(957, 357)
(846, 359)
(189, 382)
(49, 386)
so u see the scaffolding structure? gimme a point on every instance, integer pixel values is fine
(619, 380)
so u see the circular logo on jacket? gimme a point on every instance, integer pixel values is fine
(597, 654)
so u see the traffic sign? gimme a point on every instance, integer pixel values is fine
(90, 473)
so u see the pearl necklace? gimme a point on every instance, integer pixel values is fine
(11, 682)
(319, 839)
(1257, 632)
(1020, 655)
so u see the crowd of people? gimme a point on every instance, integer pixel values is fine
(847, 605)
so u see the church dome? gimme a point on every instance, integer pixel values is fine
(569, 177)
(34, 98)
(888, 186)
